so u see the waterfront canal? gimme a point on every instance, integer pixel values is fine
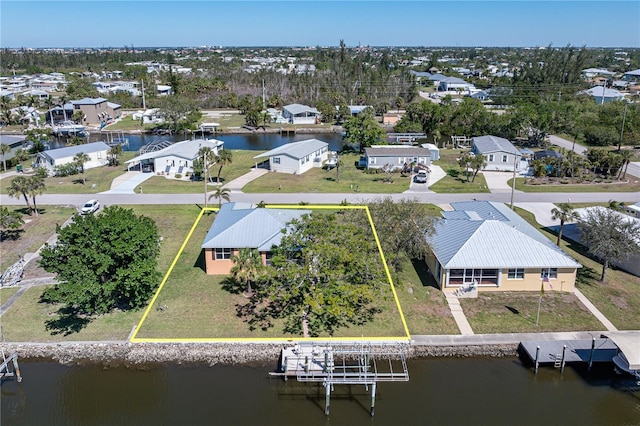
(441, 391)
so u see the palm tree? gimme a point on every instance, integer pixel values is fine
(338, 164)
(247, 267)
(221, 194)
(35, 187)
(80, 159)
(564, 213)
(477, 163)
(627, 156)
(4, 150)
(20, 186)
(224, 157)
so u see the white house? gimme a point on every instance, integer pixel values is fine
(150, 116)
(455, 84)
(97, 152)
(396, 156)
(300, 114)
(499, 152)
(297, 157)
(175, 158)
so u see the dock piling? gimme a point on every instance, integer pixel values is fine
(327, 398)
(564, 351)
(537, 359)
(373, 398)
(593, 348)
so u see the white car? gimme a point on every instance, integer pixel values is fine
(90, 207)
(421, 176)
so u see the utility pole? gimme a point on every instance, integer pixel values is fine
(144, 104)
(513, 180)
(624, 116)
(264, 102)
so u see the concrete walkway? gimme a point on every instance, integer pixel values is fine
(567, 144)
(237, 184)
(458, 314)
(499, 339)
(497, 182)
(594, 311)
(127, 183)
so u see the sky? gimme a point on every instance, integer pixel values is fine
(158, 23)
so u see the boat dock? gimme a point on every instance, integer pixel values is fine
(344, 365)
(560, 352)
(6, 367)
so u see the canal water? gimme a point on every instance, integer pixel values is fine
(441, 391)
(245, 141)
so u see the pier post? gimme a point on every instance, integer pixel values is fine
(537, 355)
(284, 368)
(327, 398)
(325, 367)
(593, 348)
(306, 364)
(16, 367)
(564, 350)
(373, 398)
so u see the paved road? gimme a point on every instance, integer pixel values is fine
(294, 198)
(567, 144)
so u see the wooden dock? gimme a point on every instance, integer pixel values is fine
(560, 352)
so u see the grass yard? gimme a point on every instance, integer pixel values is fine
(6, 293)
(242, 163)
(128, 123)
(455, 181)
(633, 185)
(515, 312)
(319, 180)
(25, 320)
(34, 233)
(195, 305)
(618, 299)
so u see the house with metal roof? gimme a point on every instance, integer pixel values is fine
(296, 157)
(242, 225)
(300, 114)
(602, 94)
(488, 246)
(50, 159)
(174, 158)
(499, 152)
(396, 156)
(632, 75)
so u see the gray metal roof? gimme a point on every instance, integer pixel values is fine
(399, 151)
(88, 101)
(599, 91)
(299, 109)
(488, 144)
(186, 149)
(12, 140)
(241, 225)
(482, 234)
(634, 72)
(296, 150)
(71, 151)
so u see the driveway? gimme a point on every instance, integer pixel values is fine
(634, 169)
(237, 184)
(542, 212)
(436, 174)
(497, 182)
(127, 183)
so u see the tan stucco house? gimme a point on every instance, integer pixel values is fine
(488, 246)
(242, 225)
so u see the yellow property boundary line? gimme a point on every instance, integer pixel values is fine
(407, 337)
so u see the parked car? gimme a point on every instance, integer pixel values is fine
(421, 177)
(90, 207)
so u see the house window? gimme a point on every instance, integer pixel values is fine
(276, 160)
(516, 274)
(551, 273)
(490, 157)
(504, 158)
(372, 160)
(459, 277)
(99, 154)
(222, 253)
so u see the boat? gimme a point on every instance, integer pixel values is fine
(68, 128)
(627, 360)
(622, 366)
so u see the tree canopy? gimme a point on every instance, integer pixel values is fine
(609, 235)
(103, 262)
(326, 274)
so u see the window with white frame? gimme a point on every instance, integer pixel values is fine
(222, 254)
(459, 277)
(551, 273)
(515, 274)
(490, 157)
(372, 160)
(504, 158)
(276, 160)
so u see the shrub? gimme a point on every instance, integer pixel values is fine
(178, 176)
(66, 170)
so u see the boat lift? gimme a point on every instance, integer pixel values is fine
(344, 365)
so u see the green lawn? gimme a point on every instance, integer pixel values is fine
(631, 186)
(34, 233)
(242, 163)
(326, 181)
(618, 299)
(6, 293)
(25, 320)
(455, 182)
(128, 123)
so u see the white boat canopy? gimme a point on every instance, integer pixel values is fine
(629, 343)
